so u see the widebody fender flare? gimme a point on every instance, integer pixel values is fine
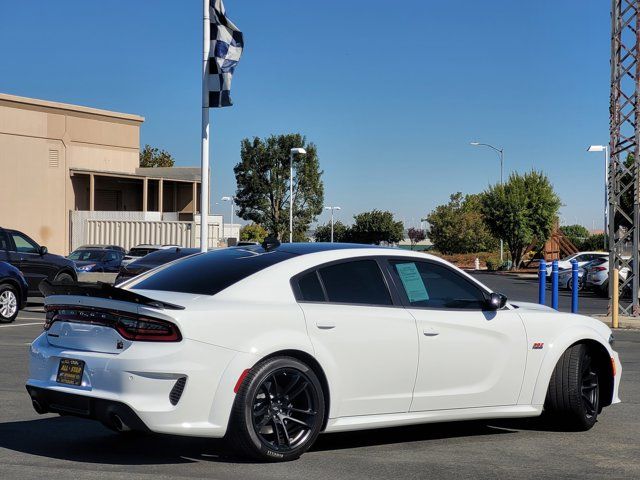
(555, 349)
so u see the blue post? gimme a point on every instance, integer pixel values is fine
(554, 285)
(574, 284)
(542, 282)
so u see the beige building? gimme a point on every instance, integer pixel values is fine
(62, 166)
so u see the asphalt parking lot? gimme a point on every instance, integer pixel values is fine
(525, 289)
(49, 446)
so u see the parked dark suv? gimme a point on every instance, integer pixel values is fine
(34, 261)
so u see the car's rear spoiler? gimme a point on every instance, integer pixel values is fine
(102, 290)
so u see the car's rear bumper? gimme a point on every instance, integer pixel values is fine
(110, 412)
(141, 384)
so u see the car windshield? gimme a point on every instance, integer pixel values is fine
(211, 272)
(160, 257)
(87, 255)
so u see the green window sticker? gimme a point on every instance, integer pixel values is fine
(412, 281)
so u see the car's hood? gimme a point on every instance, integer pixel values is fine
(80, 263)
(531, 306)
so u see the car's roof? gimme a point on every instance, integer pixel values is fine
(99, 247)
(158, 246)
(308, 247)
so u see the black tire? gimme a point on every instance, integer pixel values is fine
(64, 277)
(573, 397)
(9, 303)
(278, 412)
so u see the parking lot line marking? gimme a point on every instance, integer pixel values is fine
(30, 318)
(20, 325)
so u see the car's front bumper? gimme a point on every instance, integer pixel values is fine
(139, 381)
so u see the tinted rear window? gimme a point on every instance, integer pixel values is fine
(161, 257)
(212, 272)
(310, 288)
(356, 282)
(141, 252)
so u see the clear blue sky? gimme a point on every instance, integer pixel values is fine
(390, 91)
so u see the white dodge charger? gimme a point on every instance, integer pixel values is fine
(268, 346)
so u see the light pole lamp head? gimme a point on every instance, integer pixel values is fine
(299, 151)
(227, 199)
(475, 144)
(596, 148)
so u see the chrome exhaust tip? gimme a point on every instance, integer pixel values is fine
(118, 423)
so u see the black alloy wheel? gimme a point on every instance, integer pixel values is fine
(284, 408)
(590, 391)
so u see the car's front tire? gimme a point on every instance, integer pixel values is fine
(9, 303)
(278, 411)
(64, 278)
(573, 397)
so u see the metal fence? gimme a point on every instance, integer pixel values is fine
(129, 233)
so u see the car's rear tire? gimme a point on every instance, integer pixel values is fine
(278, 411)
(573, 397)
(9, 303)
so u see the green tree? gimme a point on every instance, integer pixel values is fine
(458, 226)
(253, 233)
(340, 232)
(375, 227)
(416, 235)
(594, 242)
(153, 157)
(577, 234)
(520, 211)
(262, 177)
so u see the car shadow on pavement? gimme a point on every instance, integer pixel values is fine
(78, 440)
(406, 434)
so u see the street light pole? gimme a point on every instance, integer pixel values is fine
(231, 200)
(605, 149)
(500, 152)
(332, 209)
(293, 151)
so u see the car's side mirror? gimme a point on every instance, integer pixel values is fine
(43, 250)
(496, 301)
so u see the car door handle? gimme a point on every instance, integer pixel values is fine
(430, 332)
(325, 325)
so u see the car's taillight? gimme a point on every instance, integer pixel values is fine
(127, 325)
(600, 269)
(149, 330)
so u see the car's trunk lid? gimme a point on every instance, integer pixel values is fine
(90, 317)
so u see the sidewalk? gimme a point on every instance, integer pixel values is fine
(624, 323)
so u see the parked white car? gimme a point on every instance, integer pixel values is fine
(597, 277)
(140, 251)
(268, 346)
(582, 258)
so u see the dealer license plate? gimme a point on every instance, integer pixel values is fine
(70, 371)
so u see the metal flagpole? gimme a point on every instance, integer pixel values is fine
(204, 184)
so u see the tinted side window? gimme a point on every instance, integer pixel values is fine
(4, 241)
(436, 286)
(356, 282)
(310, 288)
(23, 244)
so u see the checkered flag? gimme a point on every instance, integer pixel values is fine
(226, 48)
